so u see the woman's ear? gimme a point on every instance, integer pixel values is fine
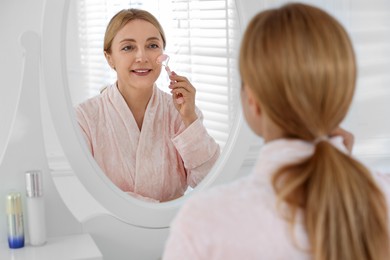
(252, 110)
(254, 105)
(109, 59)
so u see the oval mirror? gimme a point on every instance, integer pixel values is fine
(202, 42)
(58, 84)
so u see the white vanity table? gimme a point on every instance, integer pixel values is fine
(76, 247)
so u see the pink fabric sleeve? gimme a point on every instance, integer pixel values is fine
(198, 150)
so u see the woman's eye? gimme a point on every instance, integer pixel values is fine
(153, 46)
(127, 48)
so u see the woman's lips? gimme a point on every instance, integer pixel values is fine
(141, 72)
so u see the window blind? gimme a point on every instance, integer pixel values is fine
(202, 42)
(369, 25)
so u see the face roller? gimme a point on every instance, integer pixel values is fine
(163, 60)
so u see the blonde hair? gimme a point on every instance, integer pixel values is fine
(300, 63)
(124, 16)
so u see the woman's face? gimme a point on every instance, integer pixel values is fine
(134, 52)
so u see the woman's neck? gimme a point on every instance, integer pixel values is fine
(137, 100)
(270, 131)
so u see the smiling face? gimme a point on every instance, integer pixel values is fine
(133, 54)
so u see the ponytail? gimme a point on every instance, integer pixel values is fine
(345, 212)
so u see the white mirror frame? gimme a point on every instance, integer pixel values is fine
(130, 210)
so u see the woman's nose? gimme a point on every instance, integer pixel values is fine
(140, 55)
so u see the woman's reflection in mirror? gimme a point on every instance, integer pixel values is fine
(308, 197)
(149, 143)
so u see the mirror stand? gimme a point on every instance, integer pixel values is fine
(24, 152)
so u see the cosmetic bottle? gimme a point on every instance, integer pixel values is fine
(35, 208)
(14, 211)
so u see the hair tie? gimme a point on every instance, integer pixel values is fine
(320, 139)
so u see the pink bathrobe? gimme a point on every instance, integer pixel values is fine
(158, 162)
(240, 220)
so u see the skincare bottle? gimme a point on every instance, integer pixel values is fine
(15, 220)
(35, 208)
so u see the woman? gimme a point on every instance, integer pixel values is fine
(307, 198)
(148, 144)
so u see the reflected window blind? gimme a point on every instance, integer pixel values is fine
(202, 42)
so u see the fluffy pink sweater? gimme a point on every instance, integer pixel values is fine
(240, 220)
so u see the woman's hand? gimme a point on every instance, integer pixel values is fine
(348, 137)
(183, 94)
